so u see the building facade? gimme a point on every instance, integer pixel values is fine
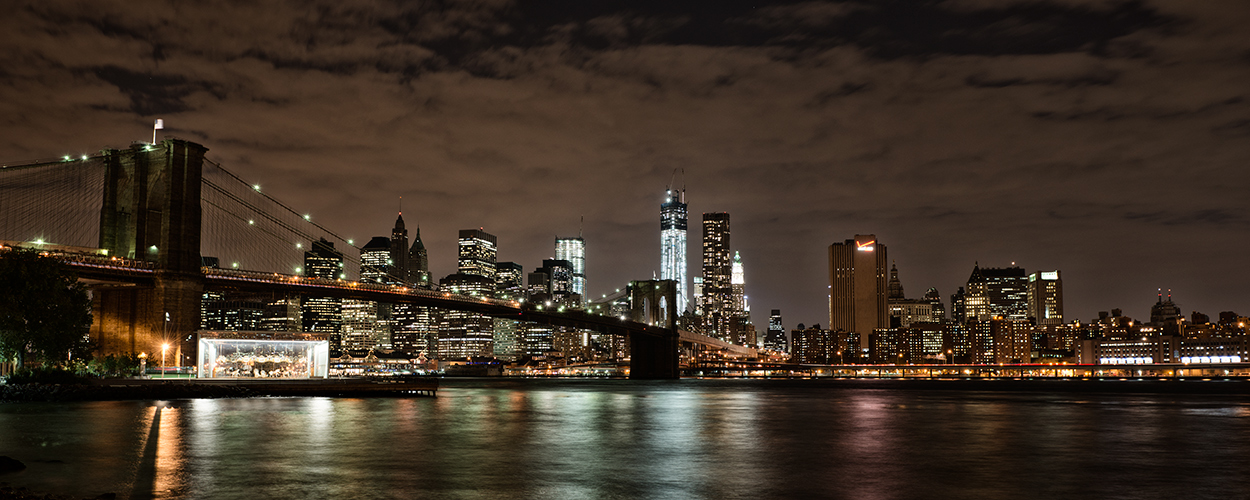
(573, 250)
(857, 287)
(673, 242)
(718, 309)
(1046, 297)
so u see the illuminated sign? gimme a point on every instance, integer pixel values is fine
(866, 246)
(1051, 276)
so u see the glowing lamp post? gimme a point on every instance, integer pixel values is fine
(164, 347)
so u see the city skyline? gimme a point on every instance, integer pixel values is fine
(1102, 140)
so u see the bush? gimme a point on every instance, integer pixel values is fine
(44, 375)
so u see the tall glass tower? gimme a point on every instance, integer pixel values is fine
(673, 242)
(574, 251)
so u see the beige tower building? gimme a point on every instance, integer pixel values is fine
(857, 287)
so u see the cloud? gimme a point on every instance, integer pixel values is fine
(1058, 134)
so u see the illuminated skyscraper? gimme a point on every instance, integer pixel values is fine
(996, 293)
(776, 338)
(1046, 297)
(673, 242)
(477, 253)
(573, 250)
(717, 277)
(375, 261)
(323, 314)
(857, 287)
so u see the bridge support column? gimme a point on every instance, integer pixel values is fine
(151, 211)
(145, 319)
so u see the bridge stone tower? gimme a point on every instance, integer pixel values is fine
(151, 212)
(654, 302)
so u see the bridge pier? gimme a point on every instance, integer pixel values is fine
(144, 319)
(654, 302)
(653, 357)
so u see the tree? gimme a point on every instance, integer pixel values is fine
(44, 311)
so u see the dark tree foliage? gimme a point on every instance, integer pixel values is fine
(45, 312)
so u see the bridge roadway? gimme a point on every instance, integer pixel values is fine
(114, 271)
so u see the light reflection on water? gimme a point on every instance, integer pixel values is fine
(621, 439)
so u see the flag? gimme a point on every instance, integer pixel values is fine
(160, 124)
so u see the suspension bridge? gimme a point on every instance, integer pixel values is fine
(153, 227)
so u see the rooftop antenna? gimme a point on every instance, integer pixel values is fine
(401, 205)
(581, 225)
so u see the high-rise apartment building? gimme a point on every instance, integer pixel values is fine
(1046, 297)
(857, 287)
(477, 251)
(573, 250)
(718, 310)
(673, 242)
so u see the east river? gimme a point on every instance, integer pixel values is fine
(617, 439)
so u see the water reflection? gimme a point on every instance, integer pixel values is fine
(674, 439)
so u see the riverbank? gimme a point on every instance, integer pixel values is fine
(146, 389)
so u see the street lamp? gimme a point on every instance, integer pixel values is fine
(164, 347)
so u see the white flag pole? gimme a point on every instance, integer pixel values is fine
(160, 124)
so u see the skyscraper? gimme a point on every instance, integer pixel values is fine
(419, 263)
(742, 332)
(477, 253)
(366, 323)
(673, 242)
(1046, 297)
(717, 276)
(573, 250)
(996, 293)
(857, 287)
(776, 338)
(323, 314)
(375, 261)
(399, 252)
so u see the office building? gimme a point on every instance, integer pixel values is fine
(775, 340)
(509, 280)
(399, 253)
(376, 265)
(477, 251)
(419, 263)
(741, 332)
(1046, 298)
(673, 242)
(462, 334)
(323, 314)
(857, 287)
(996, 293)
(573, 250)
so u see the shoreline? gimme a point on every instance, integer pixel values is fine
(150, 389)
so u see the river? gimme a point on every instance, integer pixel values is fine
(619, 439)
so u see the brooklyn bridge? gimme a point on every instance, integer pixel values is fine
(137, 224)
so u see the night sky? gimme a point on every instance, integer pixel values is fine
(1109, 140)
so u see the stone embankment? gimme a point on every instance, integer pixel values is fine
(94, 392)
